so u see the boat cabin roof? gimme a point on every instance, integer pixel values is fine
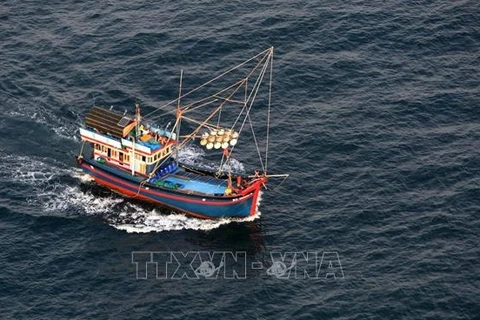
(109, 121)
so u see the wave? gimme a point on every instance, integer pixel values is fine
(31, 171)
(194, 155)
(54, 188)
(144, 221)
(39, 113)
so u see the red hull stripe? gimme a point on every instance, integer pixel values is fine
(254, 202)
(130, 193)
(210, 203)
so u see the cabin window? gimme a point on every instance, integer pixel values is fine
(144, 158)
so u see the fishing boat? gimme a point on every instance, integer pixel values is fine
(136, 157)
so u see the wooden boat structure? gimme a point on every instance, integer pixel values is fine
(137, 158)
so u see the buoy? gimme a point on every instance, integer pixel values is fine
(225, 145)
(203, 142)
(217, 145)
(233, 142)
(209, 145)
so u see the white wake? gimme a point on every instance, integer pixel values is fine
(45, 181)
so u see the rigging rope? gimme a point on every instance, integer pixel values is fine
(209, 117)
(255, 90)
(210, 81)
(265, 61)
(188, 107)
(268, 112)
(255, 87)
(256, 144)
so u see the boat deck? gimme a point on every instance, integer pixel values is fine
(186, 181)
(149, 142)
(196, 182)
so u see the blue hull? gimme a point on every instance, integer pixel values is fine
(196, 205)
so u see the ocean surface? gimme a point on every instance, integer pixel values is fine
(375, 116)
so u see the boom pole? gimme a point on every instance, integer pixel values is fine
(179, 116)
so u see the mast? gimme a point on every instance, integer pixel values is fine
(132, 157)
(137, 119)
(269, 109)
(137, 128)
(179, 116)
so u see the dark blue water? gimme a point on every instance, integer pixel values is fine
(375, 116)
